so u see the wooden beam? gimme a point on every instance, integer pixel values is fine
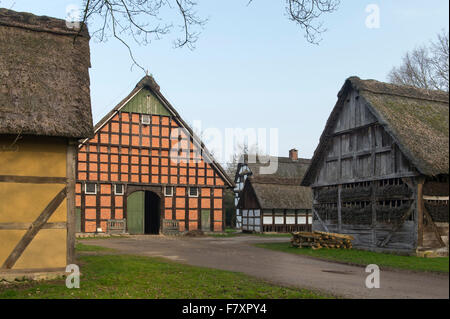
(26, 226)
(366, 179)
(35, 227)
(373, 201)
(438, 198)
(339, 209)
(397, 227)
(353, 129)
(71, 219)
(320, 220)
(420, 209)
(433, 225)
(379, 150)
(372, 141)
(32, 179)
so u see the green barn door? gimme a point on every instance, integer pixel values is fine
(136, 213)
(206, 220)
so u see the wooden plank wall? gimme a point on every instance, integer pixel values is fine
(360, 149)
(365, 184)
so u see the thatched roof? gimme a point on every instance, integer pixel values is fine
(280, 193)
(149, 83)
(417, 119)
(44, 78)
(282, 189)
(286, 169)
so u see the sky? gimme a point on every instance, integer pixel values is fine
(252, 67)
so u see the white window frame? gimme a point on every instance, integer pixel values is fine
(90, 193)
(189, 192)
(165, 191)
(145, 116)
(301, 219)
(115, 189)
(279, 220)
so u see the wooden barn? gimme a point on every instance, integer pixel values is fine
(273, 202)
(380, 172)
(145, 172)
(44, 109)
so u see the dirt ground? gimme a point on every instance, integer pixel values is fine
(238, 254)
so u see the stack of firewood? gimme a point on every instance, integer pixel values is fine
(317, 240)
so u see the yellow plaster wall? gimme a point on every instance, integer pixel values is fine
(33, 156)
(23, 202)
(47, 250)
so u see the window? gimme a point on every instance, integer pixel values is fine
(301, 219)
(90, 188)
(168, 191)
(193, 191)
(145, 119)
(118, 189)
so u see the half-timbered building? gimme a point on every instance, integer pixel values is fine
(272, 202)
(44, 110)
(380, 172)
(146, 172)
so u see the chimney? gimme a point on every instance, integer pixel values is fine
(293, 154)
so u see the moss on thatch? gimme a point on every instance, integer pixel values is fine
(417, 119)
(44, 78)
(279, 196)
(280, 190)
(287, 170)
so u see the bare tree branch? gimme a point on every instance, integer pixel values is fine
(440, 59)
(141, 20)
(147, 20)
(425, 67)
(306, 14)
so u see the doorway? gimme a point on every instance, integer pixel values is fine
(152, 213)
(143, 213)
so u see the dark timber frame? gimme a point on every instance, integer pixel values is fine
(139, 155)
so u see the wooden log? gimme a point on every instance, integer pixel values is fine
(342, 236)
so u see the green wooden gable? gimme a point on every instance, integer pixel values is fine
(145, 102)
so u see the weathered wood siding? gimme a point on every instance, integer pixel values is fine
(360, 149)
(367, 236)
(365, 185)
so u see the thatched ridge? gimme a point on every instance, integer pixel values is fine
(44, 78)
(288, 170)
(417, 119)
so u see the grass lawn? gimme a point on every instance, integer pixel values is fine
(123, 276)
(82, 248)
(234, 233)
(365, 258)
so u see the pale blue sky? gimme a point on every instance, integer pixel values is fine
(253, 68)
